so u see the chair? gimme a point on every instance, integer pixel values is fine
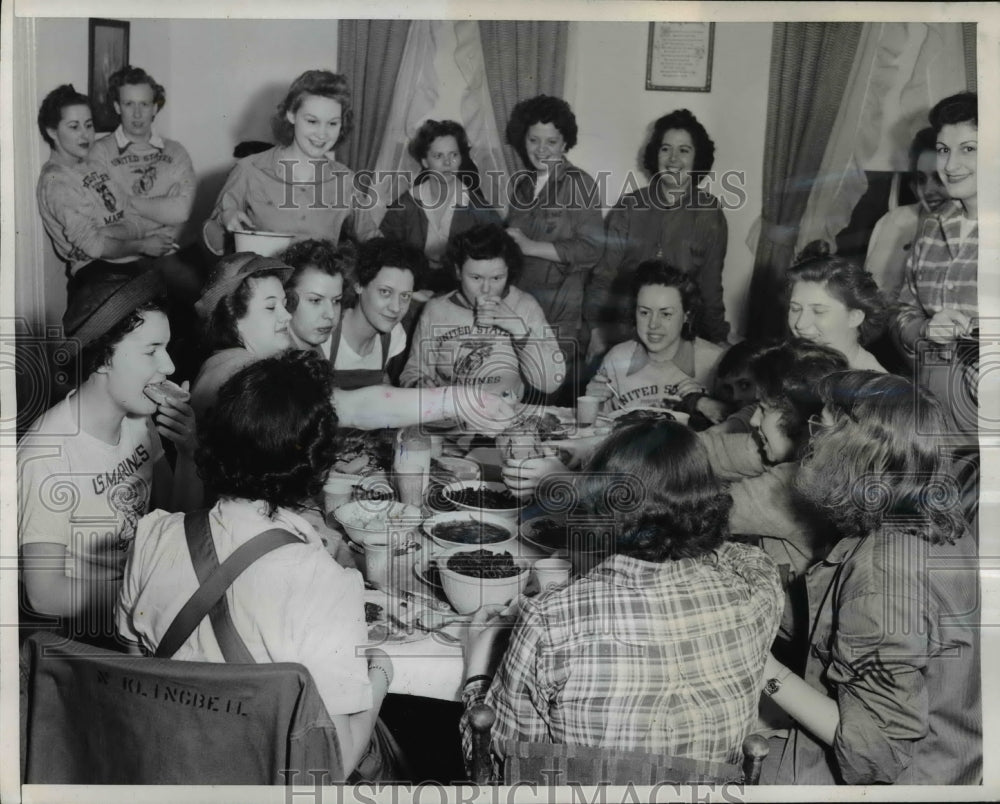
(548, 764)
(93, 716)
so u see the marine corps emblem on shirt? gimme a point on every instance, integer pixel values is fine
(128, 499)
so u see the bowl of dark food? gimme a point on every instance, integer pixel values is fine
(482, 498)
(457, 528)
(476, 577)
(545, 532)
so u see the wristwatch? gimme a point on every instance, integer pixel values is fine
(772, 685)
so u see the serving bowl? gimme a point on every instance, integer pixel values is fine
(475, 532)
(266, 244)
(467, 593)
(451, 493)
(371, 521)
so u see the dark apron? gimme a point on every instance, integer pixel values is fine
(352, 379)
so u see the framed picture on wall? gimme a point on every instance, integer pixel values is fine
(108, 53)
(679, 56)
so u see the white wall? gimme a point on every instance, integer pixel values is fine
(606, 89)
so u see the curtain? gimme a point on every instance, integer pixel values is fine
(523, 59)
(969, 49)
(810, 66)
(369, 53)
(441, 76)
(901, 70)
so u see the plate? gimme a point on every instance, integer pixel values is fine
(650, 411)
(392, 620)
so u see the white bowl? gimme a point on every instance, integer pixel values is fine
(474, 519)
(467, 594)
(370, 521)
(507, 513)
(529, 536)
(266, 244)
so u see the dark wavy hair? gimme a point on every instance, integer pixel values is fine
(220, 329)
(381, 252)
(660, 272)
(787, 376)
(51, 111)
(540, 109)
(847, 281)
(736, 358)
(99, 352)
(875, 467)
(132, 76)
(962, 107)
(420, 146)
(653, 480)
(323, 255)
(314, 82)
(271, 433)
(486, 241)
(704, 147)
(923, 140)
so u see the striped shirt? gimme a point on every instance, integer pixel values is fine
(659, 657)
(940, 273)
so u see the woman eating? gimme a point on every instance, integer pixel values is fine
(665, 365)
(555, 212)
(267, 445)
(658, 648)
(298, 187)
(834, 302)
(444, 201)
(674, 219)
(91, 465)
(243, 311)
(891, 691)
(86, 215)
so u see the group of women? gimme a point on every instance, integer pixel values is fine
(825, 468)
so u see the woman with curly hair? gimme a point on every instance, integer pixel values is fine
(660, 647)
(267, 445)
(242, 309)
(298, 187)
(445, 199)
(673, 219)
(665, 365)
(891, 690)
(555, 212)
(835, 302)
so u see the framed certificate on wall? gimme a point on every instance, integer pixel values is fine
(679, 56)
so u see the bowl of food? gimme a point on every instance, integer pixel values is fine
(476, 577)
(366, 520)
(545, 532)
(482, 498)
(467, 528)
(266, 244)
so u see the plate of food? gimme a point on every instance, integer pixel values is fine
(545, 533)
(645, 413)
(390, 619)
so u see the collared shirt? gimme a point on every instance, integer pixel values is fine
(894, 639)
(664, 658)
(294, 604)
(940, 273)
(124, 143)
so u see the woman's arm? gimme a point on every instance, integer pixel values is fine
(733, 456)
(355, 731)
(808, 706)
(384, 406)
(230, 208)
(51, 591)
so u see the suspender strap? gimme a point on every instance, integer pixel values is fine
(215, 579)
(385, 339)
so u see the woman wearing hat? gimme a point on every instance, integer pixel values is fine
(90, 466)
(243, 311)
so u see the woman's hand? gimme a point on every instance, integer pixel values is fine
(236, 220)
(712, 409)
(520, 238)
(484, 638)
(492, 311)
(479, 411)
(158, 242)
(175, 421)
(522, 477)
(600, 387)
(944, 327)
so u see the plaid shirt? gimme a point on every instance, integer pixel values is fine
(940, 273)
(665, 658)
